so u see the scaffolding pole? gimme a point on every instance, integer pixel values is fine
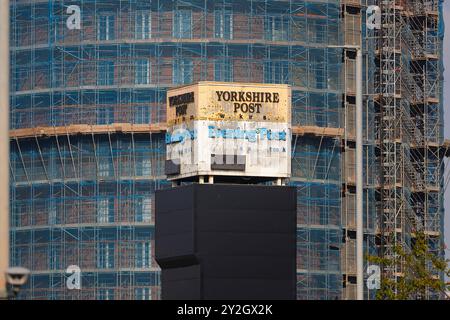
(4, 144)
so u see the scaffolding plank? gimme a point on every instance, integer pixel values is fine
(87, 129)
(143, 128)
(317, 131)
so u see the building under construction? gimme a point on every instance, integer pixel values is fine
(88, 122)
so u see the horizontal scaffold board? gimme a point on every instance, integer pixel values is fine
(141, 128)
(317, 131)
(86, 129)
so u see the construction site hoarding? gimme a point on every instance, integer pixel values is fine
(229, 129)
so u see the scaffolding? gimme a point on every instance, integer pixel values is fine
(403, 132)
(88, 122)
(407, 97)
(87, 201)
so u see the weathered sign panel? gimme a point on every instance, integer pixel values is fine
(228, 129)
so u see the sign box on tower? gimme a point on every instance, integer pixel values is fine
(229, 129)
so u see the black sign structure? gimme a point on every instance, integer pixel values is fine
(226, 241)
